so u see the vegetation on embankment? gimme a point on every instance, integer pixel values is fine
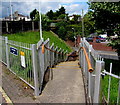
(32, 37)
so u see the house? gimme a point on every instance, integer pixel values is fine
(17, 17)
(73, 16)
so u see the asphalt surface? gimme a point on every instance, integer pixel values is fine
(65, 87)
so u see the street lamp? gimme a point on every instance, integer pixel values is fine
(82, 23)
(11, 9)
(8, 11)
(40, 21)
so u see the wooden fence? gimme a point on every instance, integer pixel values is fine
(18, 26)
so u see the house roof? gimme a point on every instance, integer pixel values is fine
(21, 15)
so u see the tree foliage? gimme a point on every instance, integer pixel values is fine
(62, 10)
(50, 14)
(115, 43)
(106, 16)
(58, 13)
(33, 13)
(89, 23)
(107, 19)
(61, 29)
(45, 20)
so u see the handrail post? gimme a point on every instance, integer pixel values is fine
(35, 69)
(98, 68)
(89, 75)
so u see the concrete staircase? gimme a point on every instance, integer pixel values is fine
(66, 85)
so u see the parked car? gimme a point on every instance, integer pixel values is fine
(101, 39)
(89, 39)
(98, 40)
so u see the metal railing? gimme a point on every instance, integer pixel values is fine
(110, 87)
(96, 88)
(91, 67)
(28, 61)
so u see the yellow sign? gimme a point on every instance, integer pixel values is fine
(22, 59)
(22, 53)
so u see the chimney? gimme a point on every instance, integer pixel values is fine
(16, 14)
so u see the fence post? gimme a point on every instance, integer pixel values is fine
(33, 26)
(98, 68)
(89, 75)
(22, 26)
(35, 69)
(6, 26)
(48, 45)
(66, 57)
(42, 65)
(63, 55)
(109, 83)
(56, 57)
(53, 54)
(7, 52)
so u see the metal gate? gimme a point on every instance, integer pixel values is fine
(30, 61)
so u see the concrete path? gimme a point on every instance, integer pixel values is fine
(66, 86)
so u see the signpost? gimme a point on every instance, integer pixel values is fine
(14, 51)
(22, 55)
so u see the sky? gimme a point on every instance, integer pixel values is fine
(26, 6)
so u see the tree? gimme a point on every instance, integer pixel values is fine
(54, 15)
(45, 22)
(106, 16)
(61, 29)
(36, 18)
(44, 19)
(88, 23)
(62, 10)
(62, 32)
(76, 18)
(33, 13)
(50, 14)
(115, 43)
(107, 19)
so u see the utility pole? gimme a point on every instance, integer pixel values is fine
(83, 23)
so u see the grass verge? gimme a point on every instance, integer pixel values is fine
(32, 37)
(113, 89)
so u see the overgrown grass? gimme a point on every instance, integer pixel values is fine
(113, 88)
(33, 37)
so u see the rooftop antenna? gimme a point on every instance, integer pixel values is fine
(40, 21)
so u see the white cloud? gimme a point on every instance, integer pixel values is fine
(62, 1)
(76, 8)
(26, 7)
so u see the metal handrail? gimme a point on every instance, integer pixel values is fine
(90, 69)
